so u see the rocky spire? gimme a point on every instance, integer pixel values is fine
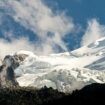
(9, 64)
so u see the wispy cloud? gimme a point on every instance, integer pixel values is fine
(10, 47)
(94, 31)
(49, 26)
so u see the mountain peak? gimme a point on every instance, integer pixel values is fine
(64, 71)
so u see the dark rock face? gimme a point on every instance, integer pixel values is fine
(21, 57)
(7, 75)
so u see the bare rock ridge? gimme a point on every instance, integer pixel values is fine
(9, 64)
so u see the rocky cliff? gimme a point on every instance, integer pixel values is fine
(8, 65)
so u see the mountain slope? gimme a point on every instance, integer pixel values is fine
(64, 71)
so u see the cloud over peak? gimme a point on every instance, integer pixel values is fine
(34, 15)
(93, 32)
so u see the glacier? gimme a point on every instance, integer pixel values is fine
(64, 71)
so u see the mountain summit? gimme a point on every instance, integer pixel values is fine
(64, 71)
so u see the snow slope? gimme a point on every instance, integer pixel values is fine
(65, 71)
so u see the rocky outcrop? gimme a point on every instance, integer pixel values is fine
(7, 75)
(22, 57)
(9, 64)
(0, 62)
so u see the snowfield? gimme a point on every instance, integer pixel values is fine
(64, 71)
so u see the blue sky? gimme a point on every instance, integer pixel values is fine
(75, 19)
(81, 11)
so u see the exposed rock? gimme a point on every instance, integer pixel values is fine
(0, 62)
(9, 64)
(22, 56)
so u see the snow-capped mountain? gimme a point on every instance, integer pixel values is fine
(64, 71)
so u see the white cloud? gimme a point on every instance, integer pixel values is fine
(15, 45)
(94, 31)
(39, 18)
